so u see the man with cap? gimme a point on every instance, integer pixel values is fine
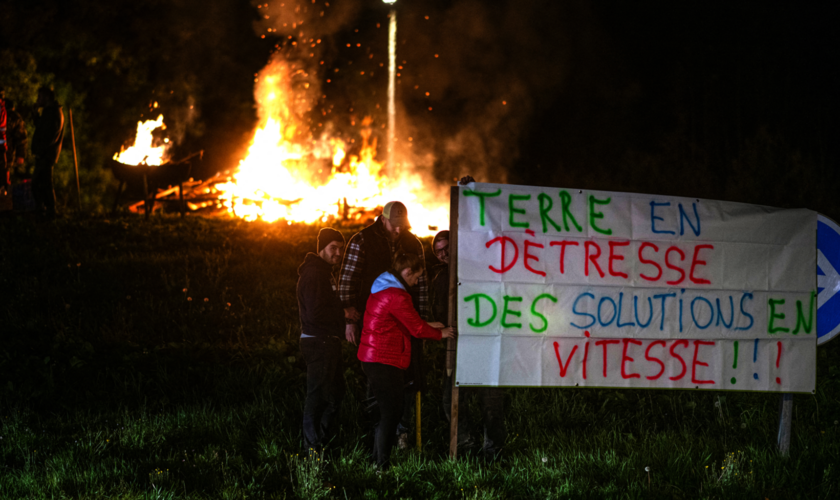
(370, 253)
(322, 326)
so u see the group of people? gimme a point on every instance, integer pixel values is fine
(383, 303)
(46, 146)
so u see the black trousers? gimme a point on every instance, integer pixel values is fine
(386, 383)
(492, 415)
(324, 389)
(42, 186)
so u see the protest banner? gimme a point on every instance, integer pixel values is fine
(566, 287)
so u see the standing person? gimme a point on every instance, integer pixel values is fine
(46, 146)
(322, 326)
(390, 323)
(16, 136)
(370, 253)
(4, 171)
(492, 398)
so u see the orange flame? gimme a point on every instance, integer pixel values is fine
(285, 179)
(142, 152)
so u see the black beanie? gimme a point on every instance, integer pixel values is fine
(327, 235)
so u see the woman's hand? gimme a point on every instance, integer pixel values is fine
(436, 324)
(448, 333)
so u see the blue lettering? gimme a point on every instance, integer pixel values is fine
(720, 318)
(684, 217)
(575, 311)
(636, 309)
(618, 314)
(663, 296)
(615, 311)
(654, 218)
(745, 313)
(694, 316)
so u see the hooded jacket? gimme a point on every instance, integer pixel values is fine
(321, 312)
(390, 322)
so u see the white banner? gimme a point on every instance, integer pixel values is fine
(562, 287)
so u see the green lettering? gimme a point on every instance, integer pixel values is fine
(476, 321)
(566, 199)
(774, 315)
(507, 311)
(481, 197)
(513, 210)
(535, 313)
(800, 318)
(545, 207)
(597, 215)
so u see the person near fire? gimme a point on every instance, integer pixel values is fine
(4, 171)
(371, 252)
(385, 349)
(322, 328)
(492, 399)
(16, 137)
(46, 147)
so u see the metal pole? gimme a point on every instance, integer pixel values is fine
(75, 159)
(785, 421)
(392, 89)
(452, 344)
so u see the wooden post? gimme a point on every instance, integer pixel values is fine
(75, 160)
(452, 344)
(785, 420)
(417, 423)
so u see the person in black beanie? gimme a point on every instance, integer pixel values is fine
(322, 328)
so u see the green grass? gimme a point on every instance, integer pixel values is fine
(116, 385)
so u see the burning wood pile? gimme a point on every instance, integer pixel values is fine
(286, 176)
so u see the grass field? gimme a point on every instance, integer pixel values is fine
(159, 359)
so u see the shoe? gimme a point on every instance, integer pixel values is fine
(402, 441)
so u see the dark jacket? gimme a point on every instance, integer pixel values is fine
(379, 256)
(390, 323)
(321, 313)
(49, 134)
(440, 293)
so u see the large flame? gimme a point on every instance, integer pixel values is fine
(284, 178)
(142, 152)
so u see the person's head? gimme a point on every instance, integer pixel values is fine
(45, 96)
(2, 93)
(409, 266)
(395, 219)
(330, 245)
(440, 246)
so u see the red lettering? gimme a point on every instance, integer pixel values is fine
(528, 256)
(695, 262)
(604, 344)
(562, 245)
(613, 257)
(504, 241)
(649, 262)
(668, 263)
(560, 360)
(675, 355)
(625, 358)
(592, 258)
(695, 363)
(649, 358)
(585, 357)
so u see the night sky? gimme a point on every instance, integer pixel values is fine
(731, 100)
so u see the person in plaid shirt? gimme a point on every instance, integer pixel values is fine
(370, 253)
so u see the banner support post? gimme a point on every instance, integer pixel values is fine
(452, 344)
(785, 423)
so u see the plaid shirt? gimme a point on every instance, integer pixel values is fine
(350, 278)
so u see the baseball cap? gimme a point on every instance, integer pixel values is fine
(396, 213)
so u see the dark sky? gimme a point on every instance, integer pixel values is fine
(731, 100)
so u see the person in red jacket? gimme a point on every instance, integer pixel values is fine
(385, 348)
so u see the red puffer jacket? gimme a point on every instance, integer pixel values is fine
(390, 321)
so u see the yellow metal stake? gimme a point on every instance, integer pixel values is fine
(417, 412)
